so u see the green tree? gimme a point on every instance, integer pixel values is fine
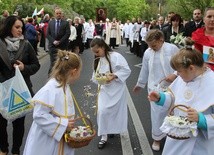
(126, 10)
(186, 7)
(87, 8)
(121, 9)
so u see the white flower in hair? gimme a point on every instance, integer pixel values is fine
(66, 57)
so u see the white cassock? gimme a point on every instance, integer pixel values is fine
(112, 98)
(198, 95)
(156, 67)
(52, 109)
(131, 33)
(107, 32)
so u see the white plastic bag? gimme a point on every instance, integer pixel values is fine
(15, 97)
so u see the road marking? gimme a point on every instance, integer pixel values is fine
(128, 52)
(138, 65)
(144, 143)
(126, 144)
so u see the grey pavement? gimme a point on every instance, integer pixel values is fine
(41, 52)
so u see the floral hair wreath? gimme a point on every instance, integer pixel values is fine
(66, 57)
(191, 47)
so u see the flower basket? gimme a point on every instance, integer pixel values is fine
(179, 127)
(101, 78)
(79, 141)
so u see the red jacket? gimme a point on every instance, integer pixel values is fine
(201, 40)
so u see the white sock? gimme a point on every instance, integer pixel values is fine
(104, 137)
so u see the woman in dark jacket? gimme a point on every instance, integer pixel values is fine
(15, 51)
(174, 28)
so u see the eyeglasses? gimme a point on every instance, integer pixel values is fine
(197, 13)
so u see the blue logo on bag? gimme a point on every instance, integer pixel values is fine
(16, 101)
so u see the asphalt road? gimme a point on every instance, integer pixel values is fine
(138, 139)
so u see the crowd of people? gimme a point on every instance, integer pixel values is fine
(65, 40)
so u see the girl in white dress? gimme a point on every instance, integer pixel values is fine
(192, 88)
(54, 109)
(112, 97)
(156, 67)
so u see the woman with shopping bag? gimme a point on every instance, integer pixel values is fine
(15, 51)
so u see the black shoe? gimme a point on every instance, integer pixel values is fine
(111, 135)
(101, 144)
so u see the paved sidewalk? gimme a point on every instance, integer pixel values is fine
(41, 53)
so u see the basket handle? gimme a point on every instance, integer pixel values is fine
(87, 119)
(178, 107)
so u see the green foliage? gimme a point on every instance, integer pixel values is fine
(87, 8)
(121, 9)
(126, 10)
(6, 5)
(186, 7)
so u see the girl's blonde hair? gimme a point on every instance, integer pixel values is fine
(65, 62)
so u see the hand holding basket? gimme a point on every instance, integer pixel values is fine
(179, 127)
(101, 78)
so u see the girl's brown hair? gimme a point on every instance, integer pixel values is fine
(101, 43)
(65, 62)
(187, 56)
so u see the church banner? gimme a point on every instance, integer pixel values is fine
(101, 14)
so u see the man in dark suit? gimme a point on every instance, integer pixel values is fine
(58, 33)
(160, 23)
(196, 23)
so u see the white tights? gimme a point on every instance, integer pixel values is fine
(104, 137)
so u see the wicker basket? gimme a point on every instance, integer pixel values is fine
(171, 113)
(80, 141)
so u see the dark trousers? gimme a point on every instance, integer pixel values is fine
(71, 45)
(53, 50)
(143, 47)
(18, 133)
(112, 42)
(88, 43)
(81, 47)
(127, 42)
(53, 55)
(136, 48)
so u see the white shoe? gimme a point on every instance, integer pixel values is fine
(155, 146)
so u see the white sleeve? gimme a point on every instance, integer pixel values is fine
(144, 72)
(50, 124)
(121, 68)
